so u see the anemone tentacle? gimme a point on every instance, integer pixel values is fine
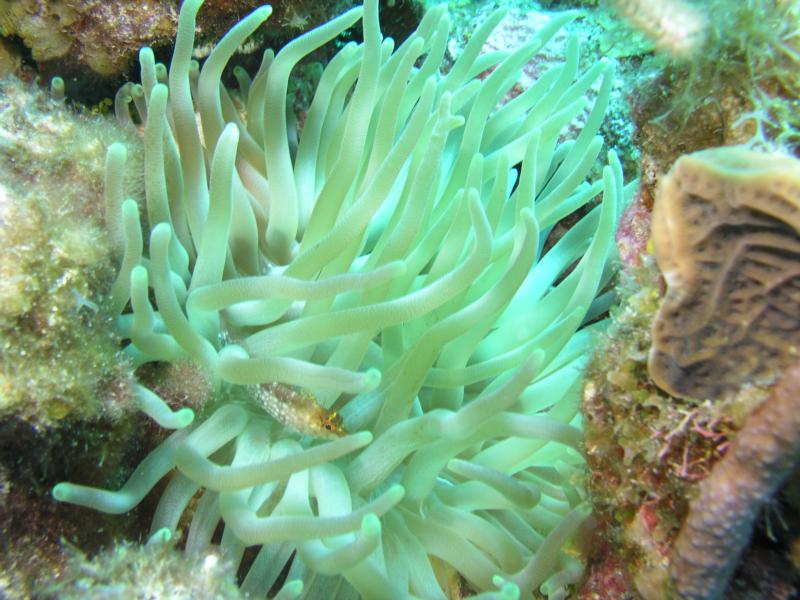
(391, 260)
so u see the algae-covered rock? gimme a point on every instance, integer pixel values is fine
(59, 352)
(645, 449)
(103, 36)
(143, 572)
(94, 44)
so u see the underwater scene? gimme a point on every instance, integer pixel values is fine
(400, 300)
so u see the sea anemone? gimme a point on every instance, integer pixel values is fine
(393, 265)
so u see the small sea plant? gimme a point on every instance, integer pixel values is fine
(390, 269)
(729, 72)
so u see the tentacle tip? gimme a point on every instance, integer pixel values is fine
(364, 438)
(371, 524)
(159, 89)
(184, 417)
(454, 463)
(162, 536)
(372, 379)
(231, 130)
(233, 352)
(537, 355)
(292, 589)
(397, 492)
(528, 217)
(61, 491)
(163, 229)
(118, 149)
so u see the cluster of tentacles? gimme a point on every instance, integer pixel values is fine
(391, 261)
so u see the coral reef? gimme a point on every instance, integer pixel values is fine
(720, 520)
(32, 526)
(66, 390)
(104, 36)
(645, 449)
(59, 346)
(740, 85)
(155, 570)
(633, 233)
(93, 44)
(726, 233)
(725, 237)
(10, 60)
(391, 262)
(360, 331)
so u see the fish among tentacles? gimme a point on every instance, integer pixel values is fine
(299, 410)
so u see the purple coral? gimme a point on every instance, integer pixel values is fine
(721, 518)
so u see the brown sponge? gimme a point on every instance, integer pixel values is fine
(726, 230)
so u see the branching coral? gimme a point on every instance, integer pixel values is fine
(391, 261)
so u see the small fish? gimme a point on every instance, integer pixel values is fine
(298, 410)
